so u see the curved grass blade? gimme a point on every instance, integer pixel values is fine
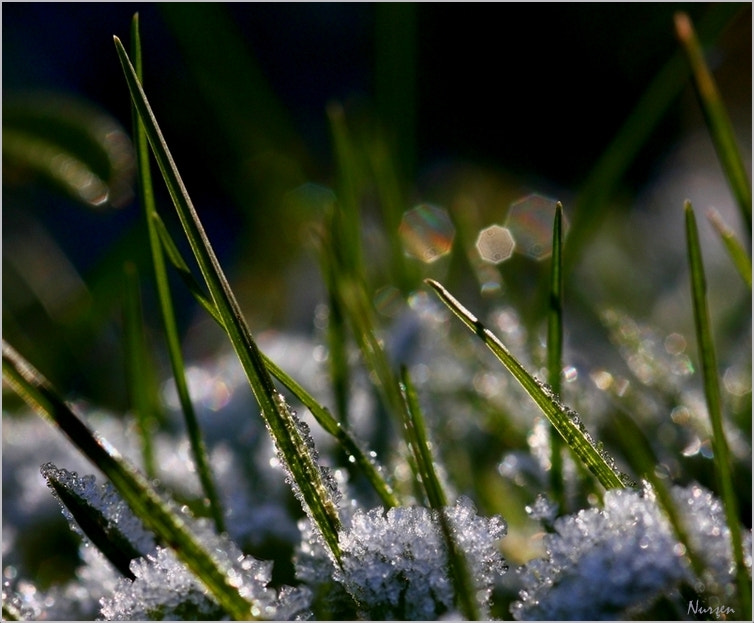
(716, 116)
(305, 472)
(741, 259)
(555, 351)
(69, 144)
(139, 494)
(416, 435)
(565, 421)
(146, 196)
(708, 362)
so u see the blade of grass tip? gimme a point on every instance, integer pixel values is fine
(105, 536)
(146, 195)
(316, 495)
(714, 404)
(565, 421)
(716, 116)
(592, 204)
(325, 419)
(136, 490)
(741, 259)
(138, 370)
(555, 352)
(416, 435)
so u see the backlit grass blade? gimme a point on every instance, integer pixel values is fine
(708, 361)
(565, 421)
(416, 436)
(716, 116)
(593, 200)
(555, 351)
(741, 259)
(304, 471)
(136, 490)
(141, 381)
(321, 414)
(146, 196)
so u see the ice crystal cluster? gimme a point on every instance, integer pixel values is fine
(395, 563)
(614, 562)
(160, 587)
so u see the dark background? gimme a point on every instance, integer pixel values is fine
(534, 92)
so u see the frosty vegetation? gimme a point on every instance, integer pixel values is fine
(524, 529)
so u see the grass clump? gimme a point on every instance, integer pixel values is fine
(438, 469)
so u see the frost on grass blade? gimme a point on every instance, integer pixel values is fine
(163, 588)
(615, 562)
(395, 564)
(100, 515)
(323, 479)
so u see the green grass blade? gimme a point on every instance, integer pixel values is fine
(304, 470)
(555, 351)
(566, 422)
(104, 534)
(708, 362)
(146, 196)
(416, 435)
(141, 381)
(741, 259)
(136, 490)
(593, 203)
(716, 116)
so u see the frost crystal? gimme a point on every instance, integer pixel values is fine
(606, 563)
(395, 565)
(164, 588)
(90, 503)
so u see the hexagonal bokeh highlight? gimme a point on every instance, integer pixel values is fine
(530, 221)
(427, 232)
(495, 244)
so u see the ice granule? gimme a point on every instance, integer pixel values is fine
(395, 564)
(602, 563)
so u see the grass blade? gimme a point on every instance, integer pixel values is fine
(593, 201)
(144, 500)
(304, 470)
(141, 381)
(566, 422)
(146, 196)
(416, 435)
(741, 259)
(716, 116)
(555, 351)
(104, 534)
(708, 362)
